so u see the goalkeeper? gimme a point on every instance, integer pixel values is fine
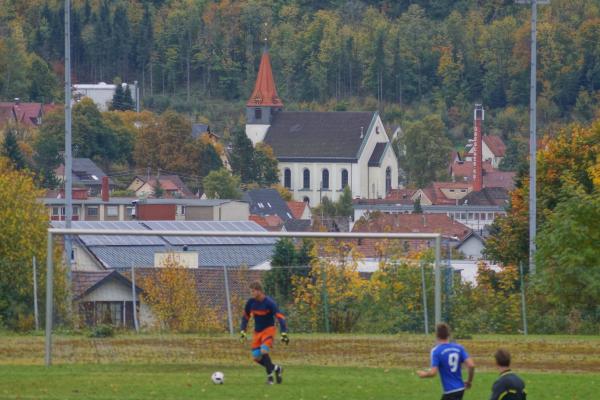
(264, 310)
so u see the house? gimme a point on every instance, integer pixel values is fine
(488, 196)
(131, 208)
(453, 231)
(438, 193)
(267, 202)
(26, 115)
(99, 252)
(493, 150)
(106, 297)
(299, 210)
(462, 172)
(471, 246)
(172, 186)
(270, 222)
(85, 173)
(319, 153)
(102, 93)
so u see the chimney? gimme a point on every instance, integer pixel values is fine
(105, 189)
(478, 117)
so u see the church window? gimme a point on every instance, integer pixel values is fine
(325, 179)
(257, 113)
(287, 178)
(306, 179)
(344, 178)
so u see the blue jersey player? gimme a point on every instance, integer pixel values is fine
(447, 358)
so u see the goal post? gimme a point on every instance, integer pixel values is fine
(436, 237)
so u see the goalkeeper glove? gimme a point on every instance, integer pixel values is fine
(284, 338)
(242, 336)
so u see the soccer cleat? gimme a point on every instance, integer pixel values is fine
(278, 373)
(270, 379)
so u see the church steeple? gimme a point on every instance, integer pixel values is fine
(265, 91)
(263, 103)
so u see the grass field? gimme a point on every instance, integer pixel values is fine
(317, 367)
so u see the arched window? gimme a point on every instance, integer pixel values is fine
(306, 179)
(388, 180)
(306, 200)
(325, 179)
(344, 178)
(287, 178)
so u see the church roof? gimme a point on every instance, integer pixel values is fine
(265, 92)
(318, 136)
(378, 150)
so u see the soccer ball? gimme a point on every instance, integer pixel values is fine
(218, 378)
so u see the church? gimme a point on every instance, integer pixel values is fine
(319, 153)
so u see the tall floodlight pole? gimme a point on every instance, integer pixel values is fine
(532, 131)
(68, 152)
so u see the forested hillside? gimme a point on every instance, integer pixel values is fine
(406, 58)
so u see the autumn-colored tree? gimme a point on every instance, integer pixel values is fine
(333, 291)
(173, 297)
(23, 233)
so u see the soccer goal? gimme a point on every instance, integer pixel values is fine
(432, 239)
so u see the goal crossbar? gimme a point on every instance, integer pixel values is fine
(437, 237)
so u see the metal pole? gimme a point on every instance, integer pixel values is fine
(523, 307)
(227, 295)
(49, 297)
(135, 319)
(35, 298)
(438, 280)
(68, 145)
(325, 298)
(424, 299)
(533, 139)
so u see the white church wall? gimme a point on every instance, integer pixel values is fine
(256, 133)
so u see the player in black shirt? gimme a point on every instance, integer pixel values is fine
(509, 386)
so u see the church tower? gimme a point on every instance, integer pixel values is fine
(263, 103)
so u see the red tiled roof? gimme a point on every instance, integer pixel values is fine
(495, 144)
(401, 195)
(406, 223)
(503, 179)
(297, 208)
(434, 191)
(265, 91)
(170, 183)
(465, 169)
(269, 222)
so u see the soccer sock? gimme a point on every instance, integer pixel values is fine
(266, 361)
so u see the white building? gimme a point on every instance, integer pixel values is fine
(320, 153)
(102, 93)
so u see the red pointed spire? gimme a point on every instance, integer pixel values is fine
(265, 92)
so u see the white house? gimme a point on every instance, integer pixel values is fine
(102, 93)
(320, 153)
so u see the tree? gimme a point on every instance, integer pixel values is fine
(118, 100)
(568, 255)
(285, 265)
(174, 299)
(242, 155)
(23, 233)
(266, 172)
(343, 206)
(11, 150)
(424, 150)
(221, 184)
(158, 189)
(417, 209)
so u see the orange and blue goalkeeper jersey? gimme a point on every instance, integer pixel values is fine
(264, 313)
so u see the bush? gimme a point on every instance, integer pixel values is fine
(102, 331)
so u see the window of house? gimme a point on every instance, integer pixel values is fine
(470, 215)
(55, 211)
(287, 178)
(306, 179)
(344, 178)
(112, 211)
(92, 211)
(258, 113)
(325, 179)
(75, 210)
(490, 216)
(180, 210)
(463, 216)
(130, 211)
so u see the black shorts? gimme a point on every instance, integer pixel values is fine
(454, 395)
